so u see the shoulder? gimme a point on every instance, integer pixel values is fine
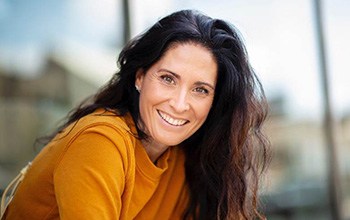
(101, 138)
(123, 123)
(97, 132)
(104, 123)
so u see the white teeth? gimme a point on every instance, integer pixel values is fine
(172, 121)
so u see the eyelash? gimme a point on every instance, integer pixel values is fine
(201, 90)
(167, 79)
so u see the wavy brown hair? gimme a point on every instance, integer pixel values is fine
(227, 155)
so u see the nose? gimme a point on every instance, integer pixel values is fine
(179, 101)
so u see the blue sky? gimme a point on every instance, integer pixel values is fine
(33, 21)
(37, 21)
(30, 29)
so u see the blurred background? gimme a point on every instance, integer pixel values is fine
(55, 53)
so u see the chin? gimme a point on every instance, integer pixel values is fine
(168, 142)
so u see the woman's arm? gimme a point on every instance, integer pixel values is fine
(90, 178)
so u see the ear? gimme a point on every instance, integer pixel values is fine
(139, 78)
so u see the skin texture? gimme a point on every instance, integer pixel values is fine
(176, 95)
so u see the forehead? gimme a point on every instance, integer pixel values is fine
(189, 53)
(189, 58)
(187, 44)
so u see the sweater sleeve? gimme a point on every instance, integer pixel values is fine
(90, 178)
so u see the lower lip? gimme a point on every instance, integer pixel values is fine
(167, 123)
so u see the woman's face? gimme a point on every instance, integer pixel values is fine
(176, 93)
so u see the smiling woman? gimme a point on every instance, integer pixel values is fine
(176, 94)
(175, 134)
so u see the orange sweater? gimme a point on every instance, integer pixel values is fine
(97, 169)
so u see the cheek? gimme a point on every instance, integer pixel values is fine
(152, 96)
(202, 110)
(154, 92)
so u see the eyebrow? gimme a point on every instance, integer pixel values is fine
(198, 83)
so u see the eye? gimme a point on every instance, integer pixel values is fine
(201, 90)
(168, 79)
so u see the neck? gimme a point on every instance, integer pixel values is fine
(154, 150)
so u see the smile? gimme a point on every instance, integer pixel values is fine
(170, 120)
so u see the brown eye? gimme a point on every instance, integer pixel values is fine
(167, 79)
(201, 90)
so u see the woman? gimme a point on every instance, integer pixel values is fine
(175, 134)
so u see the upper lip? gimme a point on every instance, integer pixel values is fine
(178, 119)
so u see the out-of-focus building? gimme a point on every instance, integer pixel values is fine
(297, 182)
(33, 107)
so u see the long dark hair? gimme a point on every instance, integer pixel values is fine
(227, 155)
